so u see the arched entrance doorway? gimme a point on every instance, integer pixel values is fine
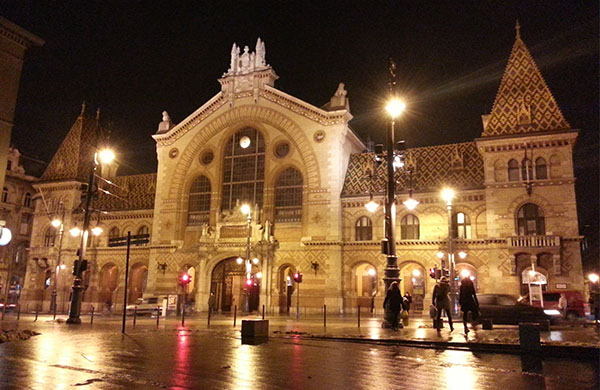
(228, 283)
(365, 284)
(286, 287)
(413, 282)
(137, 280)
(534, 281)
(109, 280)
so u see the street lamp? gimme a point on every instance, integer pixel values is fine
(104, 156)
(246, 209)
(448, 195)
(58, 223)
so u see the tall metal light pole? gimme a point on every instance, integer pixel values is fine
(104, 156)
(391, 272)
(249, 283)
(448, 195)
(60, 224)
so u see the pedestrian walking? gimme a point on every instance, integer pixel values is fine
(406, 302)
(212, 302)
(392, 304)
(441, 301)
(468, 301)
(562, 305)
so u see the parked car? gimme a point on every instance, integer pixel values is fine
(150, 305)
(9, 307)
(576, 304)
(506, 309)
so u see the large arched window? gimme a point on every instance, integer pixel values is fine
(243, 169)
(113, 232)
(409, 227)
(143, 230)
(199, 201)
(530, 220)
(50, 236)
(461, 225)
(288, 196)
(27, 200)
(364, 229)
(541, 169)
(513, 170)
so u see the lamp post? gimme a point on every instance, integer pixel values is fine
(448, 195)
(595, 296)
(60, 224)
(103, 156)
(246, 209)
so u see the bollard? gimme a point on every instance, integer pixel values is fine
(529, 337)
(234, 315)
(208, 319)
(324, 316)
(18, 311)
(36, 315)
(92, 319)
(157, 320)
(263, 312)
(54, 311)
(359, 316)
(182, 315)
(134, 315)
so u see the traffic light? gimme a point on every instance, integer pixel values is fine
(185, 279)
(435, 273)
(298, 277)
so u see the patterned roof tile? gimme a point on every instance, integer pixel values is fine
(135, 192)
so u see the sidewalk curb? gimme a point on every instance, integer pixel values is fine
(561, 351)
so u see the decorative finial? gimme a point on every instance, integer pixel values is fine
(518, 29)
(98, 114)
(82, 108)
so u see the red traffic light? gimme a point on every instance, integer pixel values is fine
(249, 282)
(298, 277)
(185, 279)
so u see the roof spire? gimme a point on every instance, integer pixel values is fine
(98, 114)
(82, 108)
(518, 29)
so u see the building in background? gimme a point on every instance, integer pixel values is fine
(306, 177)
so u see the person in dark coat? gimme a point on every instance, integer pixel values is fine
(441, 301)
(468, 300)
(393, 304)
(406, 302)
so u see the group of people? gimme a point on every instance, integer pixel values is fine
(394, 302)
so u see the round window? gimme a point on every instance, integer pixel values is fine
(173, 152)
(207, 157)
(282, 149)
(319, 136)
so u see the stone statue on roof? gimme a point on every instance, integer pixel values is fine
(166, 123)
(235, 54)
(341, 91)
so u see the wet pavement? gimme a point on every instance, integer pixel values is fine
(200, 357)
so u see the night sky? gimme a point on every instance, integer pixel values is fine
(134, 59)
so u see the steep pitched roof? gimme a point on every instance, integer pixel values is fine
(72, 160)
(457, 165)
(136, 192)
(524, 102)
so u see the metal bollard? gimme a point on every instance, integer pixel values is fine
(157, 320)
(208, 318)
(263, 317)
(234, 315)
(54, 311)
(92, 319)
(36, 315)
(359, 316)
(183, 315)
(324, 316)
(18, 312)
(134, 315)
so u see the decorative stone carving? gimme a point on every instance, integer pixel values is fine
(247, 61)
(166, 123)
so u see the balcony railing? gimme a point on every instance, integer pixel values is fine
(533, 241)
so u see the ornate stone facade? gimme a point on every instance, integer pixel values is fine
(307, 177)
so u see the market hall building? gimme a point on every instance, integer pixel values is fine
(307, 176)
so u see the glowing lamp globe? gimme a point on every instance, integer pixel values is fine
(395, 108)
(106, 156)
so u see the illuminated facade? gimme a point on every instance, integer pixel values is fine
(306, 176)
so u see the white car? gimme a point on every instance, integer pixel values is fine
(145, 306)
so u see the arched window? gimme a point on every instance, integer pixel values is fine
(530, 220)
(409, 227)
(513, 170)
(461, 226)
(113, 232)
(541, 169)
(4, 195)
(50, 236)
(143, 230)
(27, 200)
(526, 169)
(364, 229)
(199, 201)
(243, 169)
(288, 196)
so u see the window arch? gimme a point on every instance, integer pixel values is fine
(530, 220)
(27, 200)
(243, 169)
(143, 230)
(5, 195)
(364, 229)
(50, 236)
(541, 169)
(113, 232)
(199, 201)
(409, 227)
(513, 170)
(461, 225)
(288, 196)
